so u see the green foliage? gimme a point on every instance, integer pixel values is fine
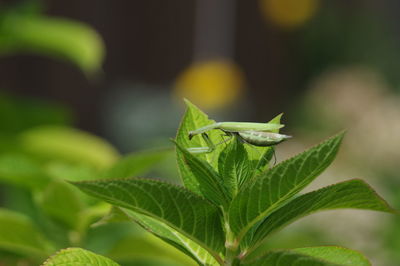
(176, 239)
(135, 164)
(144, 246)
(234, 168)
(354, 194)
(273, 188)
(336, 255)
(20, 170)
(46, 213)
(163, 202)
(19, 234)
(50, 36)
(19, 113)
(61, 201)
(78, 256)
(55, 142)
(210, 183)
(193, 118)
(233, 200)
(312, 256)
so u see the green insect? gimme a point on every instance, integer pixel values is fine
(257, 134)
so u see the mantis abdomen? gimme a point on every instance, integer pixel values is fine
(260, 138)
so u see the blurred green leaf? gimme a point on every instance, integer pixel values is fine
(18, 234)
(135, 164)
(334, 254)
(70, 172)
(312, 256)
(78, 256)
(115, 215)
(21, 171)
(72, 145)
(61, 38)
(20, 113)
(63, 202)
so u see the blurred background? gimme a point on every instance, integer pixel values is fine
(120, 69)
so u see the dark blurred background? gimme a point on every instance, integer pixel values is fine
(153, 42)
(327, 65)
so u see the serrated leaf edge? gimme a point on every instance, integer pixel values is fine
(245, 229)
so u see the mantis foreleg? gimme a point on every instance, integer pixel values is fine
(200, 150)
(211, 146)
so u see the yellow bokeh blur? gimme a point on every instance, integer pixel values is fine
(288, 13)
(213, 84)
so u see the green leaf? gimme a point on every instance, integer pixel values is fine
(354, 194)
(19, 113)
(334, 254)
(115, 215)
(312, 256)
(61, 38)
(135, 164)
(78, 256)
(276, 120)
(279, 184)
(210, 183)
(263, 163)
(178, 208)
(62, 202)
(194, 118)
(72, 145)
(21, 171)
(234, 167)
(18, 234)
(66, 171)
(173, 237)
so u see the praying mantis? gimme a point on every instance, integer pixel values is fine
(257, 134)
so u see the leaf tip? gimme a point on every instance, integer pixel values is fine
(276, 119)
(187, 102)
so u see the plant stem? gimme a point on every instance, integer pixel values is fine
(230, 255)
(231, 245)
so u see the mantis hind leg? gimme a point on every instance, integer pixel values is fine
(274, 154)
(242, 140)
(229, 135)
(258, 152)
